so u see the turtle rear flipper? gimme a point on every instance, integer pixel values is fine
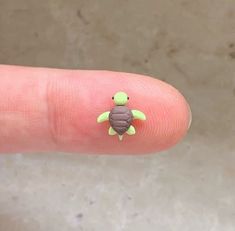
(131, 130)
(112, 131)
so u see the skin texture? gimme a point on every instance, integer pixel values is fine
(56, 110)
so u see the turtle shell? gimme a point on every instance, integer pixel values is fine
(120, 118)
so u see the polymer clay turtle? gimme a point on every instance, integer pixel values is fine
(120, 117)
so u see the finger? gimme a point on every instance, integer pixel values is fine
(56, 110)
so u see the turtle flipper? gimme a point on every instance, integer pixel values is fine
(138, 115)
(103, 117)
(112, 131)
(131, 130)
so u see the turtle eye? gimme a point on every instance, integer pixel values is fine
(113, 97)
(128, 98)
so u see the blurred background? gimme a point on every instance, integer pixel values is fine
(187, 43)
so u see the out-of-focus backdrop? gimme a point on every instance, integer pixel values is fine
(187, 43)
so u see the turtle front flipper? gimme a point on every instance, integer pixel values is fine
(138, 115)
(131, 131)
(103, 117)
(112, 131)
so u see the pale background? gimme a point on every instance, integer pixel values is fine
(187, 43)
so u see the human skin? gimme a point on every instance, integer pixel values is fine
(54, 110)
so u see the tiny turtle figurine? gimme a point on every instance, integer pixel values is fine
(120, 117)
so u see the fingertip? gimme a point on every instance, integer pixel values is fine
(165, 109)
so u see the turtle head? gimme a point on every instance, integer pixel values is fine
(120, 98)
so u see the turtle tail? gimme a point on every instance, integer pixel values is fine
(120, 137)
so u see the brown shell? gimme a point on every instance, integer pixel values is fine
(120, 118)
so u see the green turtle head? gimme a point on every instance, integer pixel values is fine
(120, 98)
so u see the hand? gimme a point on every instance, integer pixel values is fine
(56, 110)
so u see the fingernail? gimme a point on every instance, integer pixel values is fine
(190, 116)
